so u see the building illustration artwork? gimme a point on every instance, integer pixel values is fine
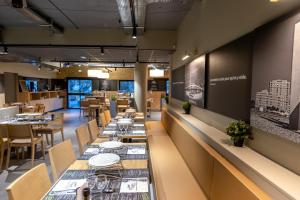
(276, 100)
(194, 93)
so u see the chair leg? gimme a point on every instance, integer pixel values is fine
(52, 138)
(43, 149)
(23, 155)
(62, 134)
(32, 154)
(47, 139)
(1, 156)
(8, 156)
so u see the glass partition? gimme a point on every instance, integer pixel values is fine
(77, 90)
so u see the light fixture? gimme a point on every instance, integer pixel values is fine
(102, 51)
(83, 57)
(98, 73)
(157, 72)
(40, 67)
(5, 51)
(79, 70)
(274, 1)
(186, 56)
(134, 33)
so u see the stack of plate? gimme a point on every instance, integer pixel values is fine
(103, 160)
(111, 145)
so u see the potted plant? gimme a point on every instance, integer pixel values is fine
(238, 131)
(186, 107)
(167, 99)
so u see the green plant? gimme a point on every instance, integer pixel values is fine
(113, 97)
(167, 99)
(186, 107)
(238, 132)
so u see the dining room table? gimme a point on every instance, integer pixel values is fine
(136, 130)
(127, 179)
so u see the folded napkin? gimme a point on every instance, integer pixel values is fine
(91, 150)
(137, 150)
(112, 124)
(138, 132)
(138, 125)
(109, 132)
(134, 185)
(63, 185)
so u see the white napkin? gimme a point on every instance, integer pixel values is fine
(138, 132)
(63, 185)
(137, 150)
(112, 124)
(138, 125)
(109, 132)
(133, 185)
(91, 150)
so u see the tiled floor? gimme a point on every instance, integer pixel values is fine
(18, 167)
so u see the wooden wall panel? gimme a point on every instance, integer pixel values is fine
(218, 178)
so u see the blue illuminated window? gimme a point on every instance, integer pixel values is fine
(126, 86)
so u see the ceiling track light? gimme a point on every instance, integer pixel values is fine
(5, 51)
(123, 63)
(102, 51)
(185, 56)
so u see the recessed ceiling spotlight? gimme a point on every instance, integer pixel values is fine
(79, 70)
(274, 1)
(82, 57)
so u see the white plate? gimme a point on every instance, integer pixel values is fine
(104, 160)
(111, 144)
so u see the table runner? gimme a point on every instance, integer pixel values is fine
(122, 152)
(115, 184)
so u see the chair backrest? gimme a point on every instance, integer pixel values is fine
(83, 137)
(22, 131)
(32, 185)
(84, 104)
(122, 102)
(93, 129)
(61, 157)
(107, 116)
(103, 120)
(27, 110)
(40, 107)
(94, 102)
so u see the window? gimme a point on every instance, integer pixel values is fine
(167, 87)
(77, 90)
(126, 86)
(32, 85)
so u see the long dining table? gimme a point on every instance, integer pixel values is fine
(132, 182)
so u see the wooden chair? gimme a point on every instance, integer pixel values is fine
(107, 116)
(21, 136)
(61, 157)
(122, 104)
(53, 127)
(102, 119)
(3, 143)
(93, 130)
(84, 107)
(40, 108)
(83, 137)
(32, 185)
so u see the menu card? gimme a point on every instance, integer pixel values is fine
(134, 185)
(137, 150)
(64, 185)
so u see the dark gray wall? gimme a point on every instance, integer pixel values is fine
(178, 83)
(2, 89)
(11, 86)
(230, 97)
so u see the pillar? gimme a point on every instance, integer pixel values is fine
(140, 86)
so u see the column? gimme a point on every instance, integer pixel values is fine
(140, 86)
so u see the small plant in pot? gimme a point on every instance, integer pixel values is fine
(186, 107)
(167, 99)
(238, 131)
